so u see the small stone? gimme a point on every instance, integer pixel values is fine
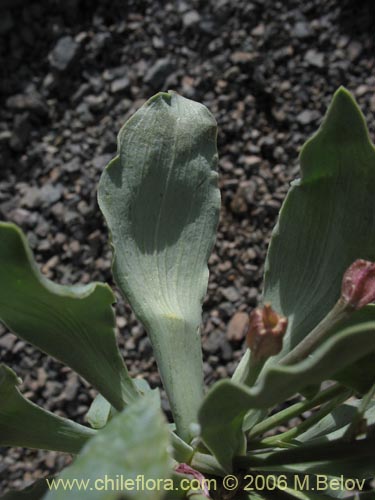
(302, 30)
(214, 341)
(231, 294)
(64, 53)
(354, 50)
(241, 57)
(306, 117)
(314, 58)
(251, 161)
(27, 102)
(7, 341)
(237, 327)
(101, 161)
(21, 132)
(259, 30)
(158, 72)
(71, 388)
(191, 18)
(22, 217)
(31, 198)
(120, 84)
(50, 194)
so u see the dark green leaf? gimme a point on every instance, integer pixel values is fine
(75, 324)
(359, 375)
(22, 423)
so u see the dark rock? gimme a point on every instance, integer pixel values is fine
(231, 294)
(158, 73)
(191, 18)
(49, 194)
(302, 30)
(28, 102)
(120, 84)
(21, 132)
(307, 116)
(6, 22)
(237, 327)
(314, 58)
(354, 50)
(64, 53)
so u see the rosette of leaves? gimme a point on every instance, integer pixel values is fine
(160, 199)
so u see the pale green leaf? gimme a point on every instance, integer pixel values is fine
(227, 403)
(99, 412)
(327, 221)
(22, 423)
(161, 202)
(134, 443)
(74, 324)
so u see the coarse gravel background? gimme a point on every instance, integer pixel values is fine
(72, 71)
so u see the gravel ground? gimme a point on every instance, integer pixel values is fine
(73, 71)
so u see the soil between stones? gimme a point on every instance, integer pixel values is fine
(73, 71)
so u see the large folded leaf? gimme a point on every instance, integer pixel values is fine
(161, 202)
(133, 445)
(74, 324)
(327, 221)
(22, 423)
(227, 403)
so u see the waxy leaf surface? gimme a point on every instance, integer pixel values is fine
(74, 324)
(23, 423)
(161, 202)
(227, 403)
(327, 221)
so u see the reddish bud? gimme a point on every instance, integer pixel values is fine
(266, 332)
(186, 469)
(358, 284)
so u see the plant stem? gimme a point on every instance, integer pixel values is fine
(295, 410)
(309, 422)
(182, 452)
(248, 370)
(339, 312)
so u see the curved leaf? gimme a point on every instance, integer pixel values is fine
(22, 423)
(227, 403)
(161, 202)
(359, 375)
(133, 444)
(74, 324)
(354, 459)
(334, 425)
(327, 221)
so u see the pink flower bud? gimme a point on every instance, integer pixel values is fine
(266, 332)
(186, 469)
(358, 284)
